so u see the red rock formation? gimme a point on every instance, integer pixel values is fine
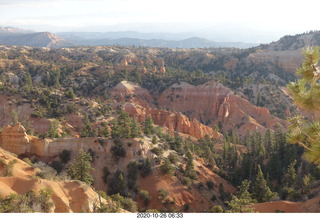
(213, 103)
(174, 121)
(126, 90)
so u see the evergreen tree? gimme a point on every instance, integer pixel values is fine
(268, 141)
(189, 171)
(306, 95)
(148, 126)
(146, 169)
(135, 128)
(105, 132)
(87, 129)
(240, 201)
(124, 124)
(261, 191)
(14, 117)
(290, 178)
(53, 131)
(81, 167)
(117, 184)
(70, 94)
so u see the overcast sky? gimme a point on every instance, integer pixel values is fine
(273, 16)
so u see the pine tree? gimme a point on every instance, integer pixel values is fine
(306, 95)
(268, 141)
(146, 170)
(135, 128)
(70, 94)
(14, 117)
(124, 124)
(240, 201)
(291, 176)
(148, 126)
(261, 191)
(87, 129)
(81, 167)
(53, 131)
(189, 171)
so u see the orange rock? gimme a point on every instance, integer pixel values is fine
(212, 103)
(174, 121)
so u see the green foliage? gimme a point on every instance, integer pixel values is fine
(135, 128)
(116, 184)
(157, 151)
(118, 150)
(57, 166)
(14, 117)
(210, 184)
(154, 140)
(189, 170)
(187, 181)
(216, 209)
(53, 131)
(28, 161)
(261, 191)
(27, 203)
(133, 168)
(148, 127)
(105, 132)
(173, 158)
(87, 130)
(146, 168)
(305, 94)
(240, 201)
(8, 167)
(80, 168)
(70, 94)
(46, 172)
(125, 202)
(163, 194)
(145, 196)
(291, 177)
(65, 156)
(167, 168)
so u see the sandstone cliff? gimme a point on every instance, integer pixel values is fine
(125, 91)
(174, 121)
(213, 103)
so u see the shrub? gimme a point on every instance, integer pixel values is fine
(46, 172)
(8, 167)
(65, 156)
(118, 151)
(27, 202)
(28, 161)
(57, 166)
(146, 167)
(157, 151)
(167, 168)
(213, 198)
(145, 196)
(186, 181)
(216, 209)
(173, 158)
(125, 202)
(154, 140)
(163, 194)
(209, 184)
(133, 168)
